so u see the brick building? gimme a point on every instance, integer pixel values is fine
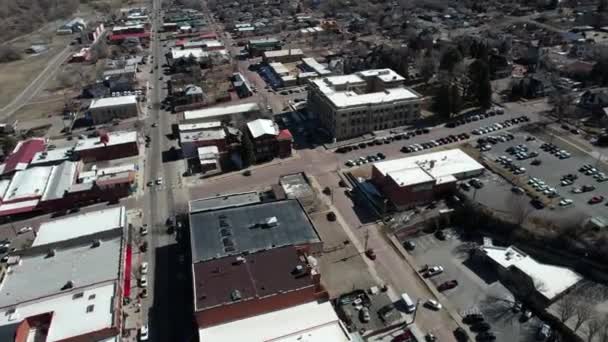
(113, 145)
(268, 141)
(250, 258)
(411, 181)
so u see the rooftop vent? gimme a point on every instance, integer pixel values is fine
(50, 253)
(235, 295)
(270, 222)
(239, 260)
(67, 285)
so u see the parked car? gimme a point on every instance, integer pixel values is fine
(596, 199)
(143, 333)
(439, 234)
(544, 331)
(433, 271)
(409, 245)
(143, 268)
(364, 315)
(461, 335)
(143, 281)
(473, 318)
(433, 304)
(448, 285)
(24, 230)
(486, 336)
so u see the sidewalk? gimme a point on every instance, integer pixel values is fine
(131, 312)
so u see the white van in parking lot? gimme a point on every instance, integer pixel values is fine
(410, 306)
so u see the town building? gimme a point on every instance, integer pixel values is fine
(251, 258)
(352, 105)
(225, 114)
(110, 108)
(310, 64)
(538, 282)
(282, 56)
(21, 156)
(43, 306)
(256, 47)
(113, 145)
(411, 181)
(268, 141)
(297, 186)
(241, 85)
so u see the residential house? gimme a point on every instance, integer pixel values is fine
(268, 140)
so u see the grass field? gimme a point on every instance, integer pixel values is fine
(15, 76)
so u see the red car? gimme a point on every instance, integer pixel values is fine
(450, 284)
(596, 199)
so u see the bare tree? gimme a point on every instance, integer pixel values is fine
(566, 307)
(519, 209)
(594, 326)
(584, 311)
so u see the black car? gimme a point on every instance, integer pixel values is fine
(380, 155)
(480, 327)
(440, 234)
(536, 203)
(461, 335)
(486, 336)
(465, 186)
(473, 318)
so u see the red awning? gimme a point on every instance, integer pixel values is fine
(285, 135)
(128, 259)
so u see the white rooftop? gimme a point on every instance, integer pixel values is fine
(441, 166)
(70, 316)
(115, 138)
(209, 134)
(50, 156)
(81, 225)
(218, 112)
(197, 53)
(208, 152)
(549, 280)
(61, 179)
(28, 184)
(282, 53)
(279, 68)
(261, 127)
(199, 126)
(316, 66)
(310, 322)
(340, 90)
(113, 101)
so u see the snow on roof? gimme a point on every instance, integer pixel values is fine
(208, 152)
(437, 165)
(113, 101)
(81, 225)
(199, 126)
(22, 154)
(310, 322)
(4, 183)
(333, 87)
(549, 280)
(115, 138)
(66, 310)
(261, 127)
(28, 184)
(218, 112)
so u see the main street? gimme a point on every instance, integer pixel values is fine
(162, 309)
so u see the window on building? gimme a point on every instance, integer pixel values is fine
(91, 297)
(78, 295)
(90, 308)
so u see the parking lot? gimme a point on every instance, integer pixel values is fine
(549, 171)
(478, 290)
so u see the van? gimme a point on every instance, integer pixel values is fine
(409, 304)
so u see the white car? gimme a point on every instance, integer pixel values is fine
(143, 333)
(144, 268)
(143, 281)
(159, 181)
(565, 202)
(25, 230)
(433, 304)
(434, 270)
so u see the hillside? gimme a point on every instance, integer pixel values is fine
(24, 16)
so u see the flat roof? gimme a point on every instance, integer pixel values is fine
(207, 152)
(295, 185)
(113, 101)
(197, 53)
(28, 184)
(81, 225)
(210, 134)
(61, 179)
(223, 201)
(260, 127)
(282, 53)
(253, 276)
(310, 322)
(114, 138)
(249, 228)
(199, 126)
(549, 280)
(51, 156)
(316, 66)
(216, 112)
(66, 311)
(279, 68)
(83, 265)
(331, 87)
(427, 167)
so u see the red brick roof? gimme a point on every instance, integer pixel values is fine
(22, 155)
